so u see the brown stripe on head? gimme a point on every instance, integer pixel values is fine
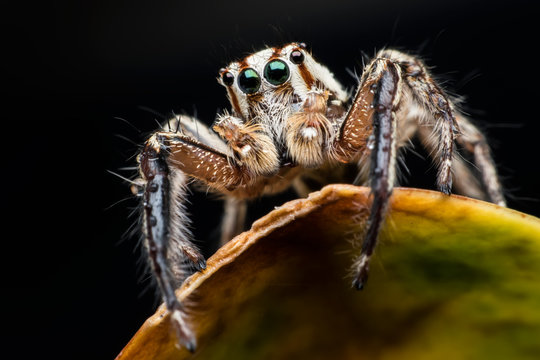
(234, 101)
(306, 75)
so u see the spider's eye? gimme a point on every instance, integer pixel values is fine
(276, 72)
(297, 57)
(227, 78)
(249, 81)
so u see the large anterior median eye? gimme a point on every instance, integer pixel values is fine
(249, 81)
(276, 72)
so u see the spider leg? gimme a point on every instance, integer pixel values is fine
(383, 80)
(464, 181)
(233, 219)
(425, 93)
(167, 162)
(377, 99)
(474, 142)
(301, 188)
(448, 125)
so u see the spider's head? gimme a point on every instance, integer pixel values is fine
(288, 95)
(274, 82)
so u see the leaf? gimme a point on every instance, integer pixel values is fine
(451, 277)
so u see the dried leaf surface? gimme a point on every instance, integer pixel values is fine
(452, 277)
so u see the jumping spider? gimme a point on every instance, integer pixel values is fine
(289, 117)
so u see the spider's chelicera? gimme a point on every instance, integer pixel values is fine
(290, 118)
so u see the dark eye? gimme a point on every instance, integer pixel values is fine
(297, 57)
(227, 78)
(249, 81)
(276, 72)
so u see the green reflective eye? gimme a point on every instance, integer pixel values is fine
(249, 81)
(276, 72)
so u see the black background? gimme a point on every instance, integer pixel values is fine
(72, 287)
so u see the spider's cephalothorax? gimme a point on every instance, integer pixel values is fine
(285, 94)
(289, 117)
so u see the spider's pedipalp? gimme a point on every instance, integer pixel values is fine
(251, 146)
(309, 131)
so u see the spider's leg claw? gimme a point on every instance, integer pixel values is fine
(200, 265)
(363, 272)
(445, 188)
(360, 281)
(357, 284)
(196, 259)
(191, 346)
(184, 336)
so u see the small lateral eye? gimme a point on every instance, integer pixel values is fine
(249, 81)
(276, 72)
(297, 57)
(227, 78)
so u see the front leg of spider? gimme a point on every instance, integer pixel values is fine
(381, 85)
(166, 163)
(156, 208)
(387, 78)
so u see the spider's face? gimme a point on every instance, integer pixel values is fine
(269, 85)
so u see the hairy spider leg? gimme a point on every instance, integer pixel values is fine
(475, 143)
(464, 181)
(447, 125)
(234, 218)
(377, 100)
(389, 76)
(429, 96)
(167, 161)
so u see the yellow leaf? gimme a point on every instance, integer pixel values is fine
(451, 278)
